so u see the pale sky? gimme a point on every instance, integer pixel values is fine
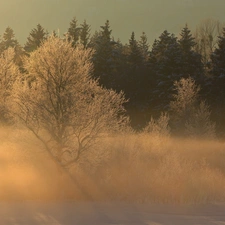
(125, 16)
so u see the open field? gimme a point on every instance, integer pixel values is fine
(133, 168)
(69, 213)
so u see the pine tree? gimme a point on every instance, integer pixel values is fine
(35, 39)
(144, 47)
(216, 83)
(73, 33)
(136, 81)
(166, 63)
(218, 57)
(135, 56)
(9, 41)
(192, 65)
(165, 55)
(104, 56)
(85, 34)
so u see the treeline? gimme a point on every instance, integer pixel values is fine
(146, 73)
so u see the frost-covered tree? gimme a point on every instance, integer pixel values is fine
(35, 38)
(159, 127)
(63, 107)
(189, 114)
(199, 124)
(9, 71)
(185, 100)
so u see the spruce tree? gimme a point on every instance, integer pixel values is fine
(73, 33)
(35, 38)
(85, 34)
(135, 56)
(191, 65)
(216, 83)
(144, 47)
(9, 41)
(104, 56)
(166, 63)
(218, 57)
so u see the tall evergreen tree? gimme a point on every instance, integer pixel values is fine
(9, 41)
(218, 57)
(166, 63)
(85, 34)
(135, 56)
(144, 47)
(136, 80)
(35, 38)
(192, 65)
(104, 56)
(73, 32)
(215, 89)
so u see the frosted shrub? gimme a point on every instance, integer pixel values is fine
(159, 127)
(189, 114)
(185, 100)
(199, 124)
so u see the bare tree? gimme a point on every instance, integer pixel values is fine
(60, 103)
(206, 36)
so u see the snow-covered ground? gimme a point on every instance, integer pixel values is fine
(69, 213)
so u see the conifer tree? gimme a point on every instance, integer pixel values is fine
(73, 32)
(135, 56)
(85, 34)
(218, 57)
(191, 65)
(166, 64)
(215, 86)
(9, 41)
(144, 47)
(36, 37)
(103, 57)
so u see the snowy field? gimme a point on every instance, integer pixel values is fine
(69, 213)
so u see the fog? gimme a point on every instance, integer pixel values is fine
(129, 168)
(129, 178)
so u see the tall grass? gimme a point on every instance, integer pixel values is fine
(145, 168)
(133, 167)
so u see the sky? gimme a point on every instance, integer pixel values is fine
(125, 16)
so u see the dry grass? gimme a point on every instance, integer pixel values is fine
(136, 168)
(146, 168)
